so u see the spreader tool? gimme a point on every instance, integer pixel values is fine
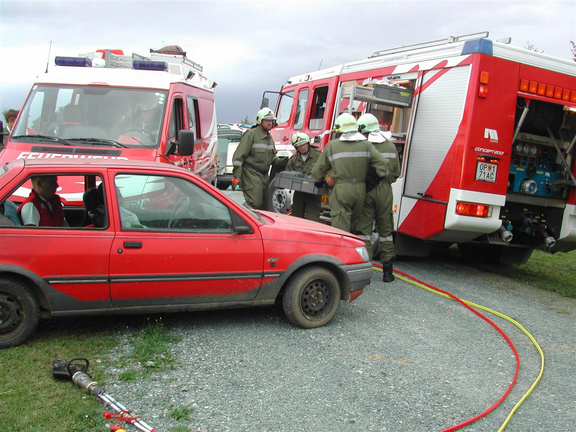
(76, 370)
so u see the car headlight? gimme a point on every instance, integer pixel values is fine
(361, 250)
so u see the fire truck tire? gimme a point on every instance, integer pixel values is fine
(493, 254)
(19, 312)
(312, 297)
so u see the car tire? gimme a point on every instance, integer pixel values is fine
(19, 313)
(312, 297)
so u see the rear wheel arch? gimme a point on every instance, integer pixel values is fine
(33, 283)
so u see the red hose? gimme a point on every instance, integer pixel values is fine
(504, 335)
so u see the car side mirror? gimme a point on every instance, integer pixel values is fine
(239, 225)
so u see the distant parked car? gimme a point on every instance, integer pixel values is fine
(185, 246)
(228, 139)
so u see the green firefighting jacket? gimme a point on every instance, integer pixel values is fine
(256, 150)
(296, 163)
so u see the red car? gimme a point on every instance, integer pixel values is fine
(146, 237)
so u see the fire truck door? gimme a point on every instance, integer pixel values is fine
(439, 111)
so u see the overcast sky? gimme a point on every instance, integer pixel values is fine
(249, 46)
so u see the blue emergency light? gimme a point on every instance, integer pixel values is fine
(150, 65)
(73, 61)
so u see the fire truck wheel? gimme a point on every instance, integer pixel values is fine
(19, 312)
(281, 200)
(312, 297)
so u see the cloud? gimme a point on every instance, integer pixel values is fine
(252, 46)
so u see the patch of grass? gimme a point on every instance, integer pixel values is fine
(129, 376)
(33, 401)
(182, 414)
(546, 271)
(151, 352)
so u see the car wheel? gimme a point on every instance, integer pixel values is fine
(19, 313)
(312, 297)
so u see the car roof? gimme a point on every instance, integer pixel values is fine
(93, 163)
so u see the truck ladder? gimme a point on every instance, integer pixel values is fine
(450, 39)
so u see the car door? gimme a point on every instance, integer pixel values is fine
(72, 260)
(177, 247)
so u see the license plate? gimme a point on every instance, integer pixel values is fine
(486, 172)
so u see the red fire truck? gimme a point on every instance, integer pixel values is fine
(485, 132)
(107, 105)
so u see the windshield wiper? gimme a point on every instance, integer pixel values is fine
(98, 141)
(43, 138)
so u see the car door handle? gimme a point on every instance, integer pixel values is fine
(132, 245)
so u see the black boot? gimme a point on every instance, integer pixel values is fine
(387, 275)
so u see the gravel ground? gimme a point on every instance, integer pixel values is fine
(397, 359)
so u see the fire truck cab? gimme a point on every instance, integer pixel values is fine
(486, 135)
(107, 105)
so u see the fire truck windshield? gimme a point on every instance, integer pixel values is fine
(93, 115)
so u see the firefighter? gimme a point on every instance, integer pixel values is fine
(304, 205)
(252, 160)
(378, 202)
(347, 158)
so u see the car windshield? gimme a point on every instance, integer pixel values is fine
(90, 115)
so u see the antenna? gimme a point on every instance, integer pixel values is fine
(320, 64)
(48, 59)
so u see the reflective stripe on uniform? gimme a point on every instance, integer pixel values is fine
(237, 163)
(342, 155)
(351, 181)
(262, 146)
(389, 155)
(386, 239)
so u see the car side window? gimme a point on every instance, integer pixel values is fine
(54, 200)
(169, 203)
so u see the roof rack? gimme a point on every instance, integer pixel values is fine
(450, 39)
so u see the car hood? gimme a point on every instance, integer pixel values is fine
(292, 223)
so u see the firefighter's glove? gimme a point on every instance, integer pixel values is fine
(320, 184)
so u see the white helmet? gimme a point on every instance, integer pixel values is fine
(265, 114)
(344, 123)
(299, 139)
(368, 123)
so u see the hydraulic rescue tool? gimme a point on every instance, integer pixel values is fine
(76, 370)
